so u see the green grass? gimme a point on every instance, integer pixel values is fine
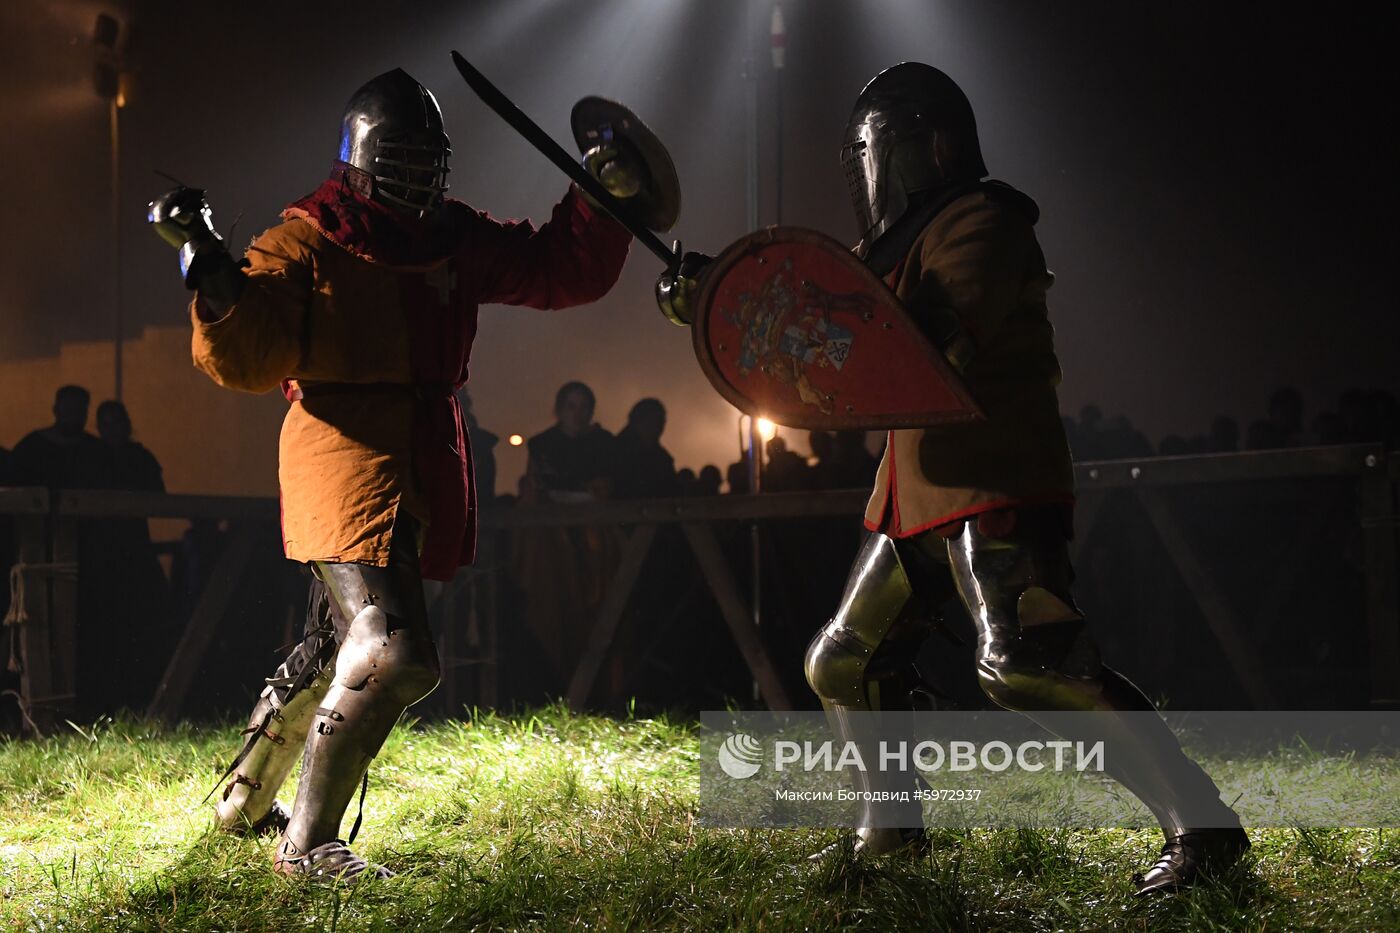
(559, 821)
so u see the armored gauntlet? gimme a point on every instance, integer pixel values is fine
(676, 287)
(615, 168)
(183, 218)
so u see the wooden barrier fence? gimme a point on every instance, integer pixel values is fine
(45, 531)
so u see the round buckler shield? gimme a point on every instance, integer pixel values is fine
(596, 121)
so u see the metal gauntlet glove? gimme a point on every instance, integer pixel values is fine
(615, 168)
(183, 218)
(676, 287)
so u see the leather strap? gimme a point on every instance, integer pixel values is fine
(359, 817)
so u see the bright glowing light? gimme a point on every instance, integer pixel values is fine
(767, 429)
(516, 440)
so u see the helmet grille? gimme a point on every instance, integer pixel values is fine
(411, 173)
(855, 159)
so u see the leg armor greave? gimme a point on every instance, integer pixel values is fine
(1035, 655)
(839, 657)
(843, 669)
(281, 718)
(387, 661)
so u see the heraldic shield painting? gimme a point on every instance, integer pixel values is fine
(794, 328)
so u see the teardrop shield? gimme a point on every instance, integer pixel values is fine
(792, 327)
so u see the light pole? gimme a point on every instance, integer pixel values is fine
(755, 449)
(777, 46)
(753, 434)
(107, 81)
(752, 451)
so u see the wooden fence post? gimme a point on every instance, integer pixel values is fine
(37, 676)
(1379, 523)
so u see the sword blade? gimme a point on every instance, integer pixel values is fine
(522, 124)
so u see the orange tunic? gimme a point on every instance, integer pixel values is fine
(321, 305)
(979, 256)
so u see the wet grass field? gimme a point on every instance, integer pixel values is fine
(558, 821)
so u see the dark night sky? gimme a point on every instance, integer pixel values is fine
(1217, 181)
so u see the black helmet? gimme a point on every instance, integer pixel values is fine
(392, 131)
(888, 152)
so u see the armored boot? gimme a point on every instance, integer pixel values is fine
(278, 726)
(386, 662)
(1189, 857)
(1035, 655)
(249, 805)
(847, 668)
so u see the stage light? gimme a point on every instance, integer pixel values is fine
(767, 429)
(515, 440)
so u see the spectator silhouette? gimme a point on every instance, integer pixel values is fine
(483, 447)
(134, 626)
(562, 572)
(1224, 435)
(644, 469)
(1263, 435)
(1093, 439)
(1385, 417)
(708, 482)
(1351, 406)
(63, 455)
(1122, 440)
(1361, 416)
(737, 475)
(785, 470)
(133, 466)
(1283, 425)
(843, 462)
(1286, 416)
(1370, 416)
(1328, 427)
(823, 473)
(855, 465)
(1174, 445)
(1090, 424)
(574, 458)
